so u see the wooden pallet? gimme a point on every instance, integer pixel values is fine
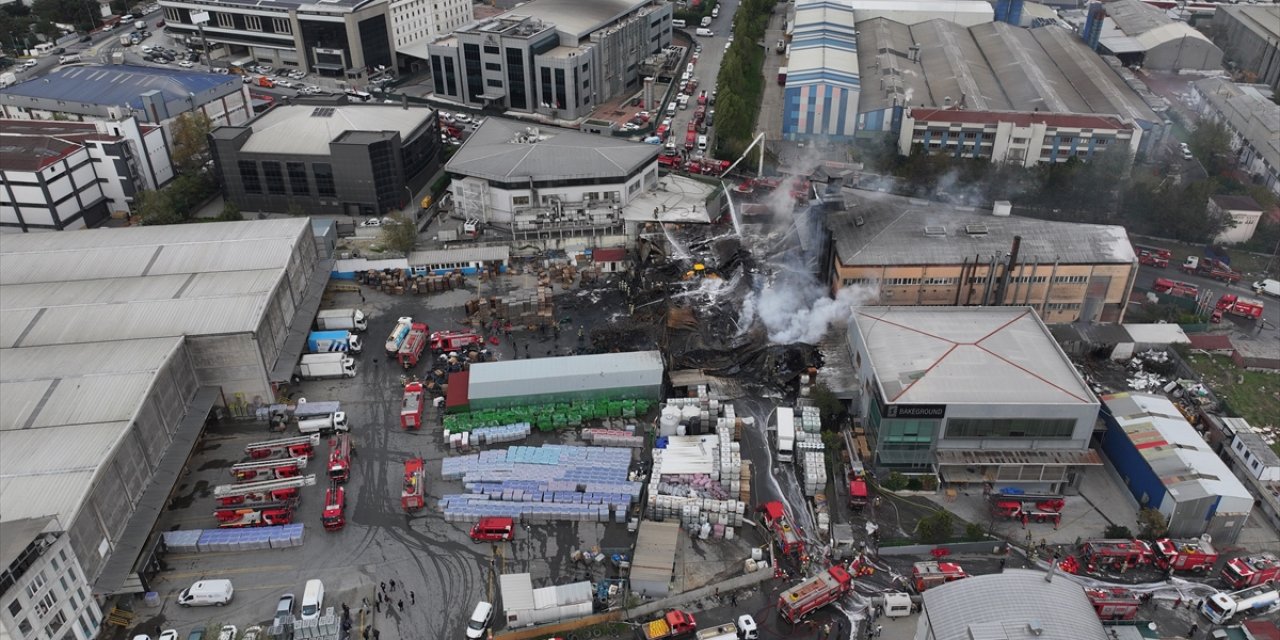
(120, 617)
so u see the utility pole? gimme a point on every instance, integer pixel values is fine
(201, 18)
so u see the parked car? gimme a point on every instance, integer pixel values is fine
(284, 608)
(479, 620)
(462, 117)
(169, 634)
(186, 64)
(197, 633)
(86, 38)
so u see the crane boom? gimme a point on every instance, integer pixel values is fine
(760, 169)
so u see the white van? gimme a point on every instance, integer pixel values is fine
(479, 620)
(704, 32)
(671, 109)
(69, 58)
(715, 11)
(683, 100)
(205, 593)
(679, 24)
(706, 21)
(702, 143)
(312, 600)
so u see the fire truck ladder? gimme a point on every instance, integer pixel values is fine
(299, 462)
(284, 443)
(263, 487)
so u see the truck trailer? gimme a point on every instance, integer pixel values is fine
(398, 334)
(333, 341)
(317, 366)
(336, 319)
(785, 433)
(1222, 606)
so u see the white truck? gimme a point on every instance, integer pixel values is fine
(785, 433)
(335, 319)
(8, 78)
(1222, 606)
(320, 417)
(1267, 287)
(315, 366)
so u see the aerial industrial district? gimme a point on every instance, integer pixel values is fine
(425, 320)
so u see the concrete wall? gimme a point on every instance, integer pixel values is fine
(233, 362)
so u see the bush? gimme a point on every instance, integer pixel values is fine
(914, 484)
(935, 528)
(1116, 531)
(896, 481)
(974, 531)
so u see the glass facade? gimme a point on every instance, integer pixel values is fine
(323, 172)
(1029, 428)
(275, 178)
(249, 176)
(475, 71)
(516, 92)
(904, 443)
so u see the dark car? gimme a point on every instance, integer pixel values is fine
(86, 38)
(284, 609)
(60, 50)
(196, 634)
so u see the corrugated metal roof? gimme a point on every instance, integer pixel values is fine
(564, 374)
(121, 290)
(516, 590)
(59, 494)
(655, 557)
(144, 319)
(466, 254)
(89, 239)
(504, 151)
(1006, 605)
(967, 355)
(116, 85)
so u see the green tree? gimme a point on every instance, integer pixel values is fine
(828, 404)
(936, 527)
(399, 233)
(1117, 532)
(1211, 144)
(81, 13)
(974, 531)
(156, 207)
(1153, 524)
(230, 212)
(191, 142)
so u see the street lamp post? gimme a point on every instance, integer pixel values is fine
(201, 18)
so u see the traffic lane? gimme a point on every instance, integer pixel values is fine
(1216, 288)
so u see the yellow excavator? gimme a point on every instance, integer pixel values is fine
(699, 271)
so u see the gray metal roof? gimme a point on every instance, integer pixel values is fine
(16, 534)
(992, 66)
(1135, 17)
(893, 232)
(568, 373)
(510, 151)
(1008, 606)
(308, 129)
(465, 254)
(1247, 111)
(1263, 20)
(967, 355)
(1259, 448)
(655, 556)
(63, 410)
(575, 17)
(122, 284)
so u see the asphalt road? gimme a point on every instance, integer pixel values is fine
(706, 69)
(1215, 289)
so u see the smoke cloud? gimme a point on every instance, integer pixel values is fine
(795, 307)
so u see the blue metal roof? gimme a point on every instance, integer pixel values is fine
(847, 80)
(118, 84)
(834, 43)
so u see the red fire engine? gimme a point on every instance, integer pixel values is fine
(1240, 573)
(1175, 288)
(926, 575)
(259, 516)
(340, 458)
(690, 137)
(669, 160)
(857, 490)
(269, 469)
(1114, 603)
(334, 516)
(414, 344)
(413, 494)
(411, 406)
(1110, 555)
(260, 493)
(444, 341)
(284, 447)
(785, 534)
(1237, 306)
(813, 594)
(1026, 507)
(1184, 555)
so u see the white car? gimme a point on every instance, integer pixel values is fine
(372, 222)
(30, 63)
(479, 620)
(228, 632)
(146, 48)
(727, 45)
(731, 36)
(462, 117)
(297, 74)
(169, 634)
(186, 64)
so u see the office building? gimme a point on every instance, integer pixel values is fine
(1250, 39)
(1018, 138)
(939, 255)
(1166, 465)
(1244, 212)
(558, 58)
(984, 397)
(415, 23)
(43, 590)
(345, 159)
(57, 175)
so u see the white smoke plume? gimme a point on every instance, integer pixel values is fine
(795, 307)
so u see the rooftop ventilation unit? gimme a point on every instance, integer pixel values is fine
(935, 231)
(322, 112)
(978, 229)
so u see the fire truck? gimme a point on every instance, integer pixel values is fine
(813, 594)
(1157, 252)
(1253, 570)
(444, 341)
(414, 344)
(340, 458)
(295, 447)
(1027, 507)
(926, 575)
(1152, 260)
(411, 406)
(1184, 555)
(260, 493)
(1175, 288)
(857, 490)
(690, 137)
(707, 166)
(785, 534)
(669, 160)
(1210, 268)
(413, 495)
(334, 515)
(263, 515)
(1114, 555)
(1237, 306)
(269, 469)
(1114, 603)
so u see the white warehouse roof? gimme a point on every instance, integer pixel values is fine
(967, 355)
(565, 374)
(1007, 605)
(1184, 462)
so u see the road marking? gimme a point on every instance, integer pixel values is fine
(213, 573)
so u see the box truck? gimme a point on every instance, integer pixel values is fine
(334, 319)
(315, 366)
(333, 341)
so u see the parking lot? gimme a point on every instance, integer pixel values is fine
(434, 560)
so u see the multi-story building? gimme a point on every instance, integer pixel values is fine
(1250, 38)
(57, 175)
(507, 169)
(559, 58)
(902, 254)
(1019, 138)
(331, 37)
(822, 83)
(115, 92)
(43, 591)
(1248, 113)
(415, 23)
(346, 159)
(1245, 213)
(984, 397)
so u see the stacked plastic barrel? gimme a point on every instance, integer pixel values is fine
(614, 437)
(490, 435)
